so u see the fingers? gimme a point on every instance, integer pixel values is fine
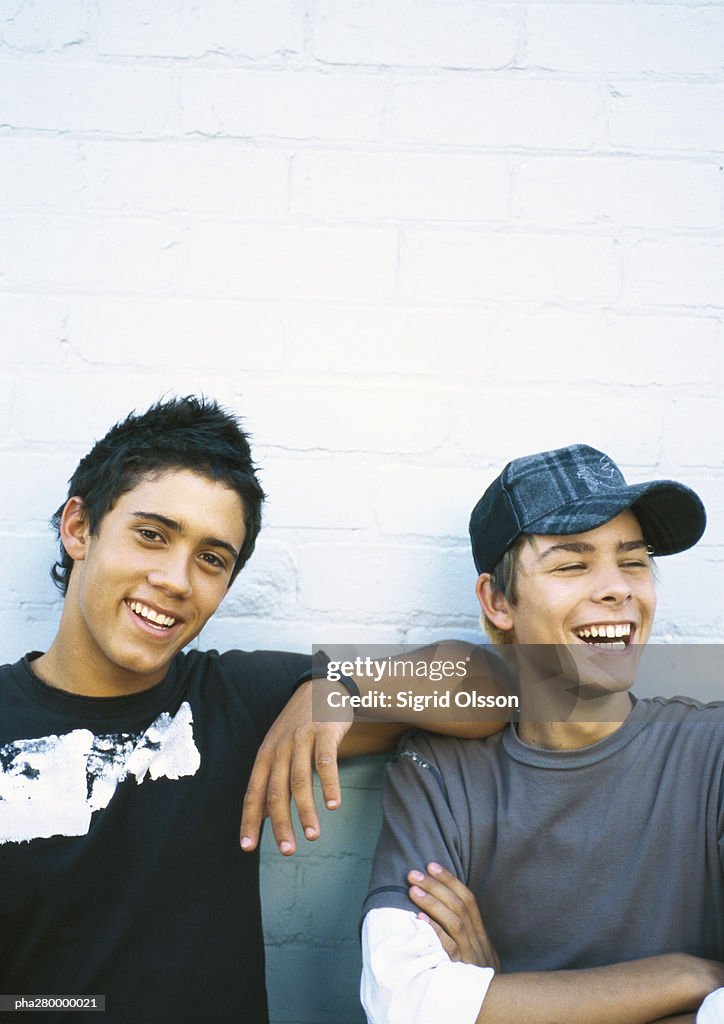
(278, 801)
(448, 944)
(302, 784)
(254, 810)
(283, 771)
(268, 794)
(314, 746)
(327, 744)
(442, 904)
(452, 906)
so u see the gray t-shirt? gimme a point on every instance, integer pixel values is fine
(577, 858)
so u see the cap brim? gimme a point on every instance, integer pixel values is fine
(671, 515)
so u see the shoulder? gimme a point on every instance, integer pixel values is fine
(446, 759)
(441, 749)
(255, 683)
(244, 667)
(682, 709)
(15, 672)
(11, 667)
(686, 725)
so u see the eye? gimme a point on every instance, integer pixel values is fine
(212, 560)
(153, 536)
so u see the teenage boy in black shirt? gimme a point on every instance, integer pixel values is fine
(123, 761)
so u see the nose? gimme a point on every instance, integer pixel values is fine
(612, 586)
(172, 575)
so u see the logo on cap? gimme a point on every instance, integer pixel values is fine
(597, 476)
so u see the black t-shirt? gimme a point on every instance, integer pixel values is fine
(120, 868)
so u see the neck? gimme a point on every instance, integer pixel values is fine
(557, 713)
(76, 667)
(574, 735)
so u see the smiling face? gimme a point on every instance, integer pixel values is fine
(573, 594)
(144, 585)
(591, 592)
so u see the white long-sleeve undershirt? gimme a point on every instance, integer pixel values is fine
(408, 978)
(712, 1009)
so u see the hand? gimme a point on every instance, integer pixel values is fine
(283, 770)
(451, 909)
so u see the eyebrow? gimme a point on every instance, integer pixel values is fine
(582, 547)
(176, 526)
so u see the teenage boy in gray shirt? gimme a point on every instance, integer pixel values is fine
(591, 843)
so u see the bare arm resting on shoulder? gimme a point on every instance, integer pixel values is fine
(296, 745)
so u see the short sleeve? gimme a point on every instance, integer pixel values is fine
(418, 825)
(265, 681)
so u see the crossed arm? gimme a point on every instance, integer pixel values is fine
(663, 988)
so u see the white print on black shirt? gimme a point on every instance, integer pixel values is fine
(51, 786)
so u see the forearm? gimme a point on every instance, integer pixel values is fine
(371, 738)
(435, 695)
(637, 992)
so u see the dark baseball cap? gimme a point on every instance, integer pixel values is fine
(575, 489)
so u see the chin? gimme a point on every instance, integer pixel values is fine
(569, 673)
(142, 665)
(597, 673)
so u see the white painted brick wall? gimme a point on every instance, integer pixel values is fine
(400, 186)
(629, 39)
(473, 265)
(628, 192)
(539, 417)
(356, 417)
(490, 112)
(192, 177)
(407, 242)
(275, 262)
(667, 116)
(290, 104)
(254, 29)
(88, 96)
(108, 331)
(679, 272)
(457, 34)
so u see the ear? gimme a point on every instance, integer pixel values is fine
(493, 603)
(74, 529)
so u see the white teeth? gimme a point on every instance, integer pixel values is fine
(148, 613)
(610, 632)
